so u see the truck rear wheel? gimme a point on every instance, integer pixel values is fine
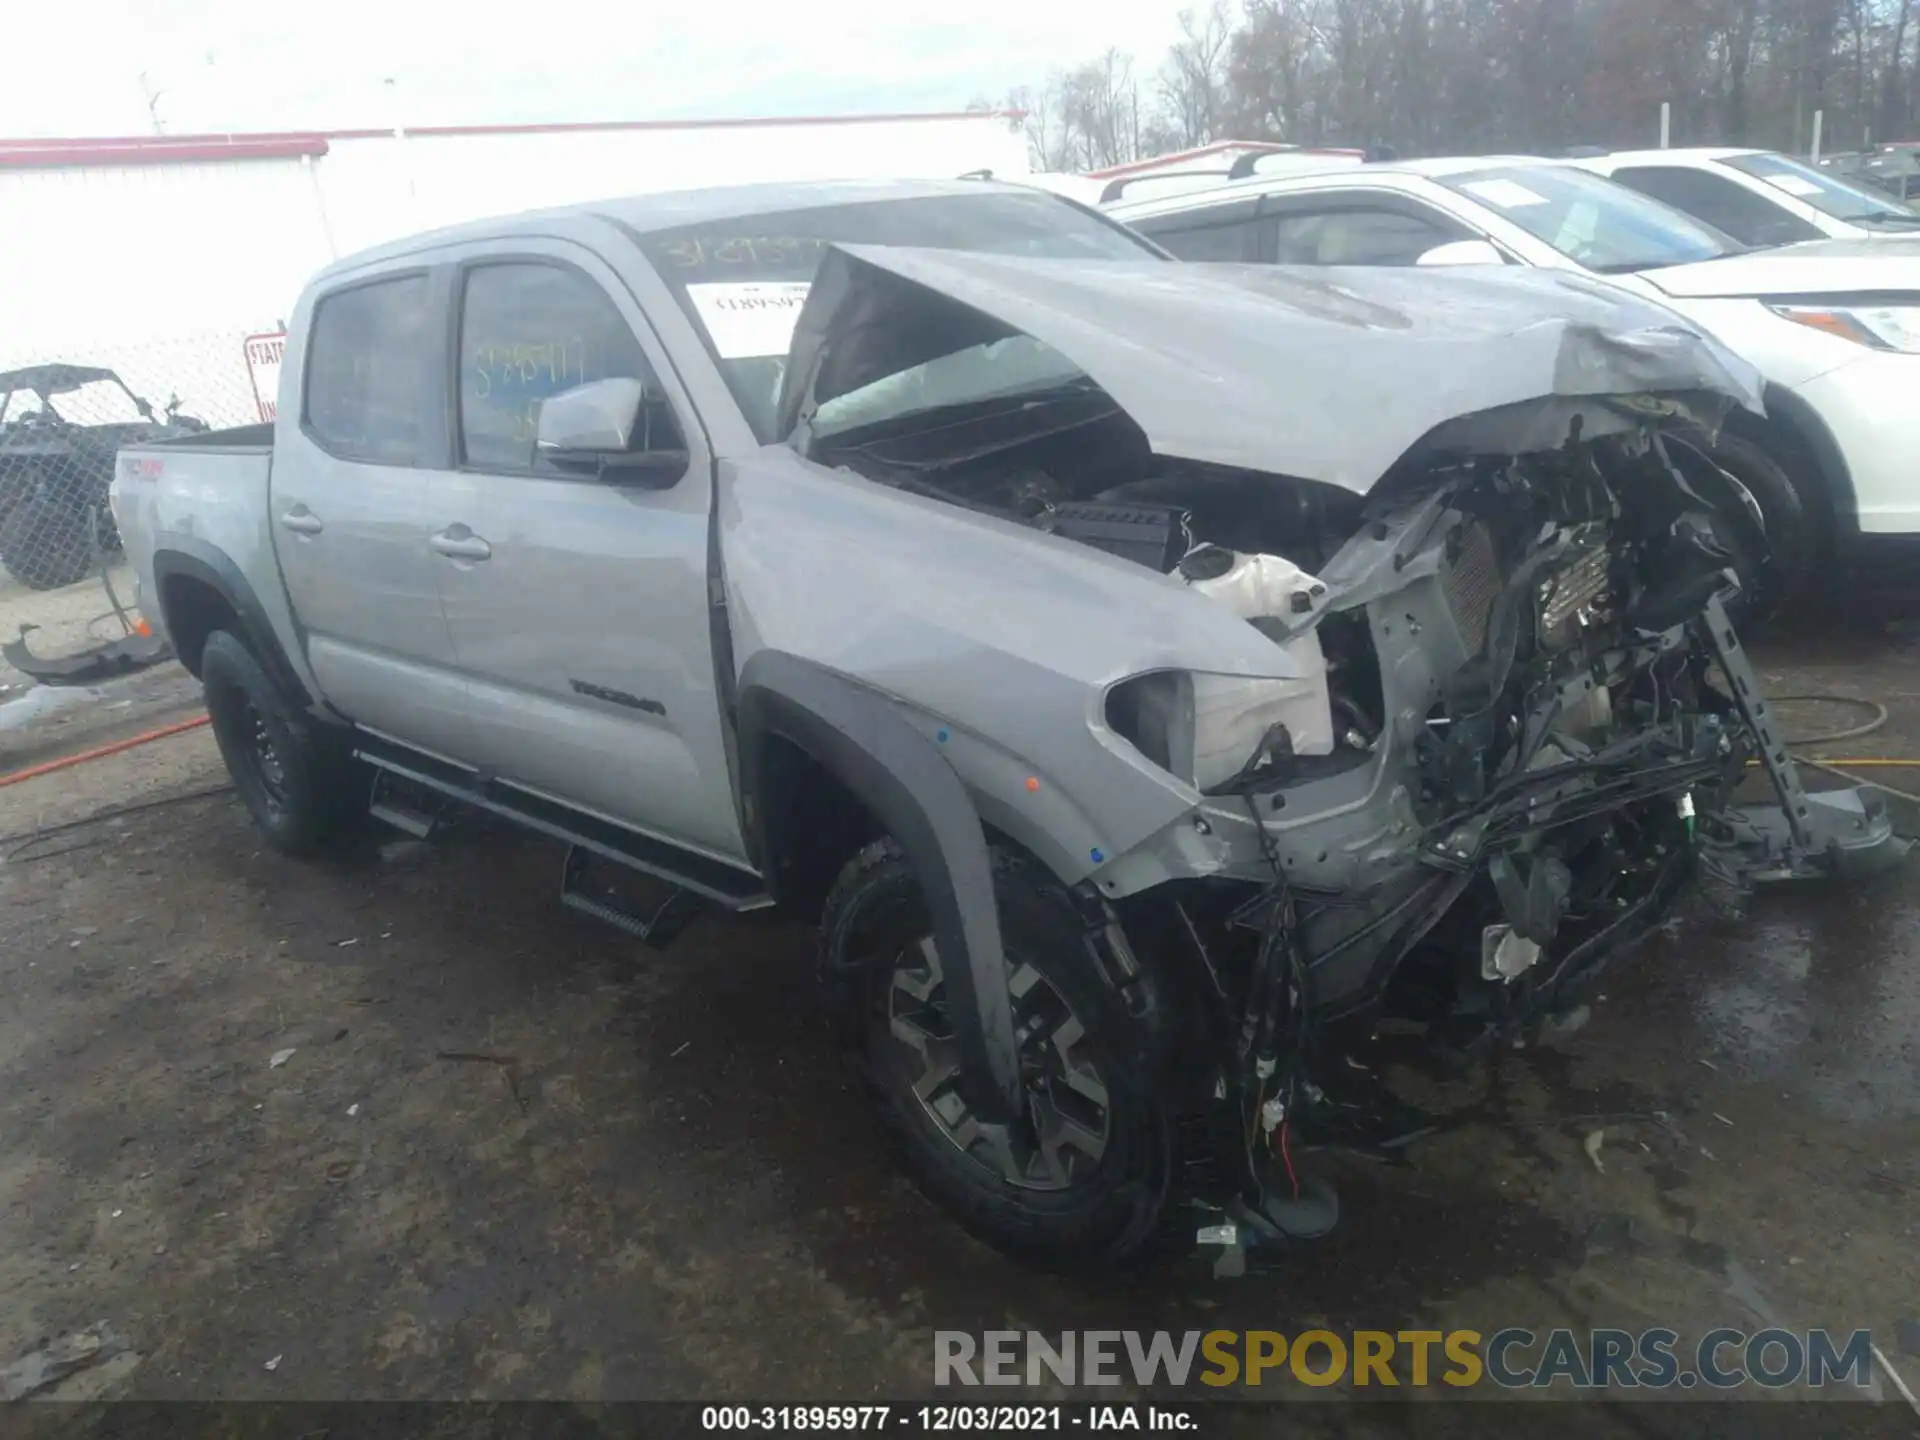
(1082, 1177)
(297, 779)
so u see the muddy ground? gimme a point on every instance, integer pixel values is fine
(654, 1182)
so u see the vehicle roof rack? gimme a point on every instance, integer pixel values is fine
(1584, 152)
(1116, 188)
(981, 174)
(1379, 155)
(1245, 165)
(1250, 164)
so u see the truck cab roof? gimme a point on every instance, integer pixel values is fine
(671, 209)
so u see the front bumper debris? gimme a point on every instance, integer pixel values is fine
(1844, 833)
(117, 657)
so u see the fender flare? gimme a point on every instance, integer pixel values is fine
(898, 774)
(190, 558)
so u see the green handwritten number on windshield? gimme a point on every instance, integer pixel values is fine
(730, 252)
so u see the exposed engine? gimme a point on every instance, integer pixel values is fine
(1494, 718)
(1500, 753)
(1487, 733)
(1491, 752)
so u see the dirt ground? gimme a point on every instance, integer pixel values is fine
(515, 1155)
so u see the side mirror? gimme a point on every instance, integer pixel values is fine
(595, 427)
(1463, 252)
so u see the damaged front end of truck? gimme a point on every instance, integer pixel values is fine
(1325, 646)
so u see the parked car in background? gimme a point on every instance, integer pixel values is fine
(1133, 667)
(60, 426)
(1893, 169)
(1833, 325)
(1760, 198)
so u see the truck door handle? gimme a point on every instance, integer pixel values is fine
(457, 542)
(302, 521)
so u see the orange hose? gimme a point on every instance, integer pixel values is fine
(68, 761)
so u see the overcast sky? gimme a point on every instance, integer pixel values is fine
(231, 64)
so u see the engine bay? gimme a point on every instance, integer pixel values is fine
(1544, 565)
(1492, 722)
(1513, 721)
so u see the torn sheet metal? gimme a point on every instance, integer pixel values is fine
(1330, 374)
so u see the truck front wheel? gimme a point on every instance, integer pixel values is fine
(1082, 1175)
(297, 779)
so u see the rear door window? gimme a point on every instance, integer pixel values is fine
(1355, 235)
(368, 359)
(1219, 233)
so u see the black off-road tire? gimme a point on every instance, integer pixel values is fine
(45, 543)
(875, 918)
(1774, 573)
(297, 778)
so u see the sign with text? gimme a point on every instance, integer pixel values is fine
(264, 354)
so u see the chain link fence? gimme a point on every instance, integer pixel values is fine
(63, 416)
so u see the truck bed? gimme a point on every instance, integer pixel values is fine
(201, 503)
(234, 437)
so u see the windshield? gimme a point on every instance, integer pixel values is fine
(1016, 365)
(1592, 221)
(743, 281)
(1828, 194)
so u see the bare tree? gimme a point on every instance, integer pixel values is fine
(1895, 108)
(1479, 76)
(1274, 69)
(1193, 82)
(1100, 111)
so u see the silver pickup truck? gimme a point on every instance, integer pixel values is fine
(1139, 671)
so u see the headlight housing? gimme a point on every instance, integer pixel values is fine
(1154, 714)
(1879, 327)
(1205, 728)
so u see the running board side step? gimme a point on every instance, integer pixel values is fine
(580, 894)
(388, 805)
(703, 878)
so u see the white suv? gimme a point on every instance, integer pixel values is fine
(1834, 325)
(1758, 197)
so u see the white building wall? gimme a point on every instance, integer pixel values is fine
(140, 252)
(157, 271)
(160, 269)
(379, 188)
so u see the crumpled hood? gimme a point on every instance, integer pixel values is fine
(1819, 267)
(1325, 374)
